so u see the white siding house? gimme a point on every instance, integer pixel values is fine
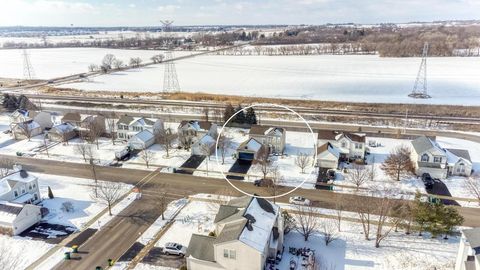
(328, 156)
(128, 126)
(468, 256)
(189, 132)
(16, 218)
(204, 146)
(271, 137)
(142, 140)
(19, 186)
(350, 145)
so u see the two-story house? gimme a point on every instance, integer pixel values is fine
(189, 132)
(468, 256)
(429, 157)
(19, 187)
(458, 162)
(273, 137)
(128, 126)
(248, 231)
(17, 217)
(43, 119)
(350, 145)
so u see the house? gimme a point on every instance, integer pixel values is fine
(351, 145)
(248, 231)
(273, 137)
(62, 132)
(458, 162)
(429, 157)
(16, 218)
(128, 126)
(205, 146)
(142, 140)
(250, 150)
(44, 119)
(468, 256)
(19, 187)
(328, 156)
(190, 132)
(25, 130)
(90, 122)
(73, 118)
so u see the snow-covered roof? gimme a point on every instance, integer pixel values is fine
(129, 120)
(144, 136)
(4, 187)
(30, 125)
(259, 235)
(330, 148)
(423, 143)
(9, 211)
(19, 176)
(207, 139)
(251, 145)
(64, 127)
(454, 155)
(196, 125)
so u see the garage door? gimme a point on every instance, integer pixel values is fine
(245, 156)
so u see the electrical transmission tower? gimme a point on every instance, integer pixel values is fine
(420, 86)
(28, 72)
(170, 79)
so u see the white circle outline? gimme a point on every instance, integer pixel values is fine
(264, 105)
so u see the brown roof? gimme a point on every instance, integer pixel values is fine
(355, 137)
(327, 135)
(71, 116)
(322, 148)
(205, 125)
(258, 130)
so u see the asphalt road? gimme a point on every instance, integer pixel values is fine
(122, 232)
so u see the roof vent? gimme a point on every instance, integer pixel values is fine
(251, 219)
(249, 226)
(266, 205)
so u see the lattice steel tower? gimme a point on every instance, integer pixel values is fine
(170, 78)
(28, 72)
(420, 86)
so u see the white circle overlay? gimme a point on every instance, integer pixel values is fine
(265, 105)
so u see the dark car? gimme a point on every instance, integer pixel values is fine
(262, 182)
(331, 174)
(427, 181)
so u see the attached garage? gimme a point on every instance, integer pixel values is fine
(245, 156)
(249, 149)
(328, 156)
(142, 140)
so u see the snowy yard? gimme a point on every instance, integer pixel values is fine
(23, 250)
(368, 78)
(57, 62)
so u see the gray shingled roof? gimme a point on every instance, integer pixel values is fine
(243, 201)
(11, 209)
(125, 119)
(231, 231)
(225, 211)
(422, 144)
(460, 153)
(201, 247)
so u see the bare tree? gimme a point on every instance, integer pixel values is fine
(5, 166)
(389, 214)
(27, 129)
(92, 68)
(224, 144)
(206, 150)
(263, 162)
(85, 150)
(329, 230)
(112, 126)
(399, 163)
(358, 175)
(206, 113)
(108, 61)
(365, 207)
(274, 183)
(340, 205)
(147, 156)
(166, 138)
(307, 222)
(472, 184)
(95, 130)
(302, 160)
(107, 193)
(135, 62)
(117, 63)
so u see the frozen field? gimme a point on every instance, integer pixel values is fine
(51, 63)
(451, 80)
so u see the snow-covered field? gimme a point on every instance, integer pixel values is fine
(20, 251)
(369, 78)
(51, 63)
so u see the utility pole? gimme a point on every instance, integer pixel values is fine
(420, 86)
(406, 121)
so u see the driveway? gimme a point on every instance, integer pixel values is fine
(158, 258)
(439, 188)
(240, 166)
(192, 163)
(50, 233)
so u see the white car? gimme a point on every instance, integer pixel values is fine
(299, 200)
(174, 249)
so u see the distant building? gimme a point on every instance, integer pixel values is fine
(248, 231)
(62, 132)
(189, 132)
(272, 137)
(468, 256)
(19, 187)
(16, 218)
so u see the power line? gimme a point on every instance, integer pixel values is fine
(420, 86)
(170, 79)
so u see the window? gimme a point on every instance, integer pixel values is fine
(23, 190)
(228, 253)
(34, 185)
(35, 196)
(437, 159)
(344, 144)
(225, 253)
(424, 158)
(358, 146)
(15, 193)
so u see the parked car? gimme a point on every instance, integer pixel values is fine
(331, 174)
(299, 200)
(174, 249)
(427, 181)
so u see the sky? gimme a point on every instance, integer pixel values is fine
(225, 12)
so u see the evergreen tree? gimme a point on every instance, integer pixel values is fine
(251, 117)
(240, 117)
(450, 219)
(229, 111)
(50, 193)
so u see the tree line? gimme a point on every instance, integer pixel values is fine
(240, 116)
